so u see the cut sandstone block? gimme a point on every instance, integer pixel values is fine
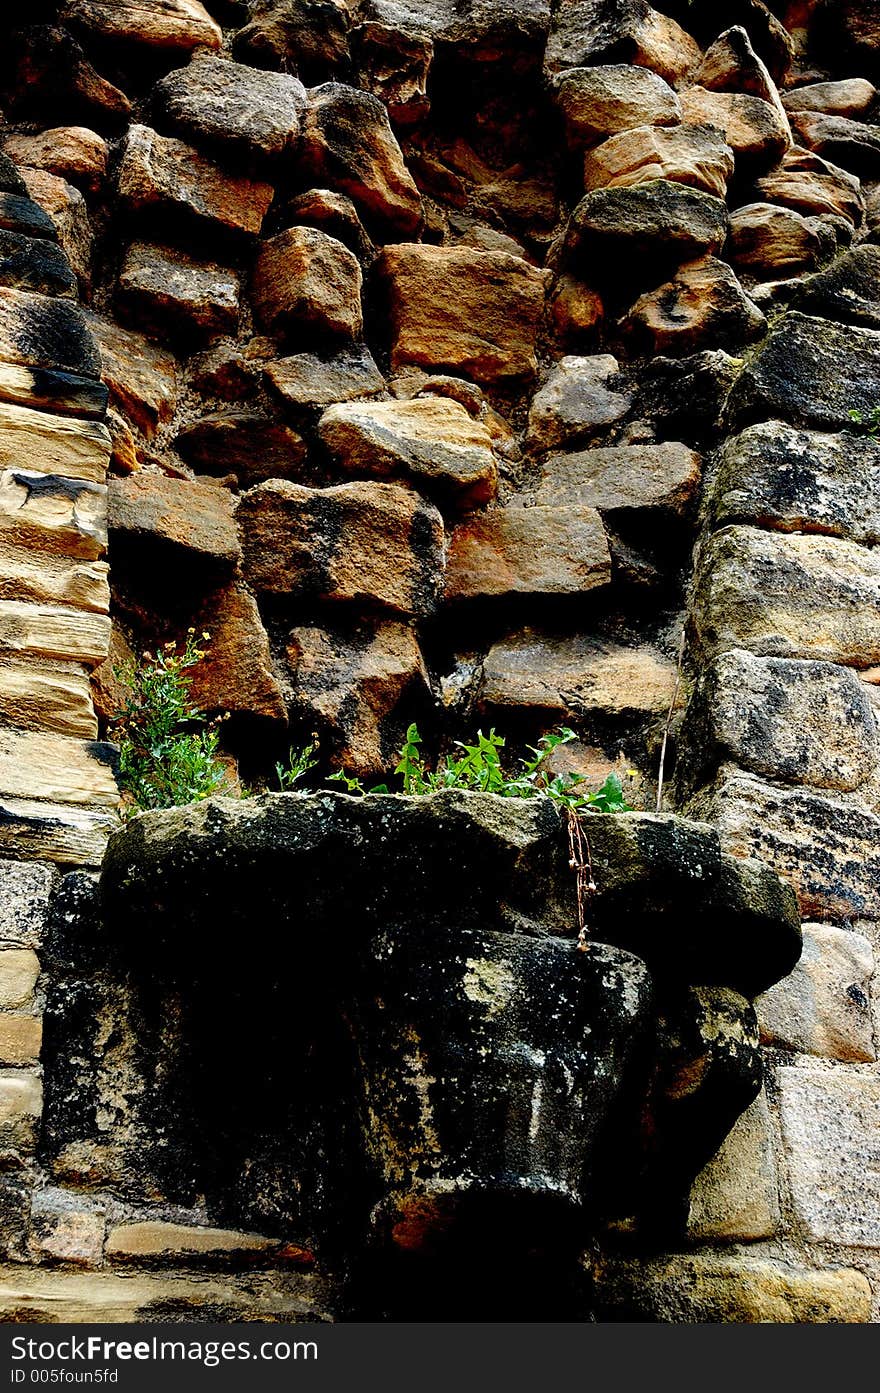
(157, 1239)
(44, 579)
(49, 514)
(47, 696)
(37, 442)
(60, 832)
(19, 970)
(21, 1103)
(21, 1038)
(823, 1007)
(55, 767)
(53, 632)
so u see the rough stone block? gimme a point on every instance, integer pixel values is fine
(154, 1238)
(735, 1198)
(824, 1006)
(528, 551)
(307, 283)
(576, 676)
(39, 332)
(66, 1227)
(810, 372)
(21, 1103)
(25, 892)
(164, 293)
(19, 970)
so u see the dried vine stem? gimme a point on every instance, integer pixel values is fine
(580, 861)
(668, 725)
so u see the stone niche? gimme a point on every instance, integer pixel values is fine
(368, 1027)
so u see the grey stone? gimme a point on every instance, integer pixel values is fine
(581, 397)
(305, 382)
(25, 894)
(624, 481)
(852, 144)
(601, 101)
(165, 293)
(246, 112)
(823, 1007)
(848, 291)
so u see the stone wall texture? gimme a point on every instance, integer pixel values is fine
(513, 365)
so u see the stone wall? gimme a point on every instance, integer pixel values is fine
(435, 337)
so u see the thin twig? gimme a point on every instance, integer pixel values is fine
(581, 862)
(666, 728)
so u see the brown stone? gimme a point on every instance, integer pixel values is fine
(811, 185)
(167, 178)
(178, 25)
(305, 381)
(236, 675)
(600, 102)
(432, 440)
(626, 480)
(51, 515)
(581, 398)
(468, 311)
(575, 311)
(48, 696)
(703, 306)
(695, 155)
(53, 631)
(53, 444)
(72, 152)
(66, 207)
(528, 551)
(180, 517)
(124, 457)
(157, 1238)
(306, 283)
(244, 443)
(242, 111)
(754, 130)
(585, 32)
(735, 1198)
(853, 144)
(394, 63)
(823, 1007)
(575, 676)
(19, 970)
(142, 377)
(51, 391)
(732, 65)
(165, 293)
(348, 145)
(350, 685)
(21, 1038)
(369, 543)
(852, 96)
(772, 242)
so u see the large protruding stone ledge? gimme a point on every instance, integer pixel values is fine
(333, 866)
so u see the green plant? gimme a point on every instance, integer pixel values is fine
(299, 762)
(478, 768)
(167, 748)
(868, 420)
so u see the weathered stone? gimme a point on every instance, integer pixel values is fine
(432, 440)
(314, 31)
(703, 304)
(577, 400)
(165, 293)
(371, 543)
(53, 631)
(575, 313)
(30, 263)
(626, 480)
(585, 32)
(824, 846)
(10, 178)
(771, 242)
(53, 444)
(21, 1038)
(22, 215)
(528, 551)
(755, 130)
(695, 155)
(21, 1102)
(156, 521)
(824, 1007)
(38, 332)
(47, 697)
(810, 372)
(468, 311)
(614, 232)
(774, 475)
(125, 458)
(61, 832)
(170, 179)
(177, 25)
(731, 64)
(703, 1288)
(348, 143)
(307, 284)
(19, 970)
(157, 1238)
(853, 96)
(804, 181)
(598, 102)
(50, 514)
(847, 291)
(142, 377)
(852, 144)
(66, 209)
(39, 1294)
(236, 674)
(51, 391)
(51, 72)
(25, 891)
(66, 1227)
(788, 597)
(351, 684)
(55, 767)
(799, 722)
(394, 63)
(72, 152)
(245, 443)
(576, 676)
(304, 381)
(735, 1197)
(244, 111)
(48, 579)
(830, 1130)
